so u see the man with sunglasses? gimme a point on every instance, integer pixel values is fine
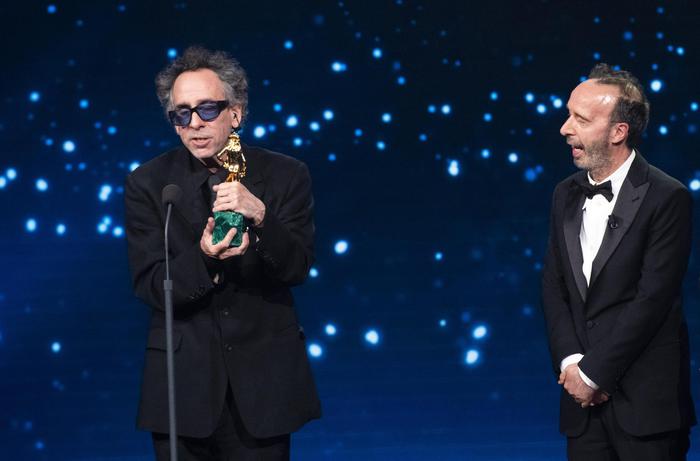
(242, 375)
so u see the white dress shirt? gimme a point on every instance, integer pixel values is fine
(596, 212)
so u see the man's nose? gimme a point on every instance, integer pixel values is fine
(196, 121)
(566, 128)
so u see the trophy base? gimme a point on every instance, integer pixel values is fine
(224, 221)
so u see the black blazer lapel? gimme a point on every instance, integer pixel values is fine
(253, 180)
(573, 216)
(632, 193)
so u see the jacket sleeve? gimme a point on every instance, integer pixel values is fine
(555, 299)
(146, 248)
(286, 238)
(661, 277)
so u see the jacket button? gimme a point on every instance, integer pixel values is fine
(229, 347)
(590, 324)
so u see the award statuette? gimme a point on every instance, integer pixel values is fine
(233, 160)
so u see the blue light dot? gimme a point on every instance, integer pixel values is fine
(55, 347)
(288, 44)
(259, 131)
(627, 35)
(331, 157)
(422, 137)
(442, 323)
(694, 106)
(292, 121)
(315, 350)
(60, 229)
(331, 330)
(51, 9)
(102, 227)
(118, 231)
(401, 80)
(328, 114)
(372, 337)
(557, 103)
(670, 48)
(84, 103)
(314, 126)
(172, 53)
(11, 174)
(488, 117)
(541, 109)
(82, 166)
(277, 107)
(529, 97)
(446, 109)
(596, 56)
(386, 117)
(479, 332)
(680, 51)
(298, 142)
(112, 130)
(68, 146)
(513, 157)
(471, 357)
(358, 132)
(3, 182)
(377, 53)
(596, 20)
(30, 225)
(105, 191)
(660, 35)
(107, 220)
(39, 445)
(431, 109)
(663, 130)
(438, 256)
(453, 167)
(485, 153)
(381, 145)
(338, 66)
(48, 142)
(34, 96)
(313, 272)
(271, 128)
(341, 247)
(42, 185)
(656, 85)
(530, 175)
(494, 96)
(133, 166)
(694, 185)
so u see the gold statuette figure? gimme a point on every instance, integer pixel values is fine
(232, 158)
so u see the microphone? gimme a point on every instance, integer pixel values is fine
(169, 197)
(612, 222)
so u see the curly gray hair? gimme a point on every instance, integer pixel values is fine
(227, 68)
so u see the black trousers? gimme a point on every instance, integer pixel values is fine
(229, 442)
(604, 440)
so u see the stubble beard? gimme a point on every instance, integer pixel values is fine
(597, 159)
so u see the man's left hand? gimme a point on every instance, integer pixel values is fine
(576, 387)
(233, 196)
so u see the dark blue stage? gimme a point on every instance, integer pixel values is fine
(431, 130)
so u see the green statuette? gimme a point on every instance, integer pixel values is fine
(224, 221)
(233, 160)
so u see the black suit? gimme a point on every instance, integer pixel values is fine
(629, 321)
(242, 331)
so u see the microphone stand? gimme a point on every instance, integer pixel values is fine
(168, 290)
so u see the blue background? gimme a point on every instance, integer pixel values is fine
(435, 166)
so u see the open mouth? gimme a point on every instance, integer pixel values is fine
(200, 141)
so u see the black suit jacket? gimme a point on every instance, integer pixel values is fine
(629, 321)
(242, 331)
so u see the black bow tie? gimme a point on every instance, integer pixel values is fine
(604, 189)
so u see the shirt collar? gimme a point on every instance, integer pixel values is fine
(618, 176)
(200, 173)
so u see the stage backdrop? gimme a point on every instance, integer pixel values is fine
(431, 130)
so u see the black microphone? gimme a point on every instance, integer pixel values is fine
(170, 196)
(612, 222)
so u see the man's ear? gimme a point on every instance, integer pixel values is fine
(236, 116)
(619, 133)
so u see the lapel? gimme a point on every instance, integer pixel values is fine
(632, 193)
(572, 229)
(253, 180)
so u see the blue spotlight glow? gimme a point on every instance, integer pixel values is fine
(315, 350)
(328, 114)
(358, 132)
(494, 96)
(60, 229)
(386, 117)
(133, 166)
(102, 227)
(438, 256)
(381, 145)
(442, 323)
(30, 225)
(557, 103)
(118, 231)
(530, 175)
(48, 142)
(331, 157)
(39, 444)
(11, 174)
(693, 107)
(277, 107)
(401, 80)
(431, 109)
(259, 131)
(529, 97)
(84, 103)
(485, 153)
(663, 130)
(314, 126)
(471, 357)
(105, 191)
(541, 109)
(68, 146)
(51, 9)
(446, 109)
(288, 44)
(453, 167)
(596, 56)
(42, 185)
(55, 347)
(680, 51)
(313, 272)
(331, 330)
(656, 85)
(292, 121)
(479, 332)
(172, 53)
(627, 36)
(488, 117)
(34, 96)
(422, 137)
(694, 184)
(338, 66)
(298, 142)
(377, 53)
(3, 182)
(112, 130)
(341, 247)
(372, 337)
(513, 157)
